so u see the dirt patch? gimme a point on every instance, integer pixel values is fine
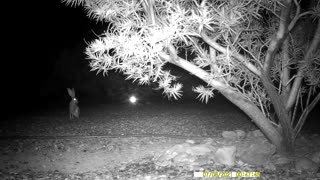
(109, 158)
(79, 155)
(131, 138)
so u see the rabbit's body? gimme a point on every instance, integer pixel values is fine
(74, 110)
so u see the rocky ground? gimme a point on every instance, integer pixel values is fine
(153, 141)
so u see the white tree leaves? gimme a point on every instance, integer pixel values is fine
(204, 93)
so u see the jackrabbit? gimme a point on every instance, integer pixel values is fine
(74, 110)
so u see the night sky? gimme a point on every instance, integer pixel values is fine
(47, 41)
(50, 28)
(37, 33)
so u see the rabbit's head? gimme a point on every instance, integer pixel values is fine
(75, 100)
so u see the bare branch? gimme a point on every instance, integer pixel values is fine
(285, 74)
(295, 109)
(297, 82)
(200, 73)
(224, 50)
(278, 38)
(173, 52)
(297, 15)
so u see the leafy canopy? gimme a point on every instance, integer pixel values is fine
(141, 32)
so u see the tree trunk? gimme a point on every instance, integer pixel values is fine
(274, 135)
(283, 115)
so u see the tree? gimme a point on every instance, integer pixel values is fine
(248, 50)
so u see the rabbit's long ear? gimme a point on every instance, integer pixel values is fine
(70, 92)
(73, 92)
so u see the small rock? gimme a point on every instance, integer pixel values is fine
(269, 166)
(226, 155)
(201, 149)
(190, 141)
(306, 165)
(172, 152)
(240, 133)
(229, 135)
(208, 141)
(257, 133)
(280, 160)
(316, 157)
(183, 158)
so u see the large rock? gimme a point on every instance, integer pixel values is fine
(255, 149)
(186, 154)
(304, 164)
(281, 160)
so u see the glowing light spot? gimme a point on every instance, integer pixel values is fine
(133, 99)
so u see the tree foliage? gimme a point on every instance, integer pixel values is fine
(246, 46)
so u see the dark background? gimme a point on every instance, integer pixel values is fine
(45, 55)
(46, 44)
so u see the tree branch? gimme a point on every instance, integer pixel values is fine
(297, 15)
(285, 74)
(305, 114)
(173, 52)
(148, 7)
(298, 80)
(278, 38)
(223, 50)
(195, 70)
(247, 106)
